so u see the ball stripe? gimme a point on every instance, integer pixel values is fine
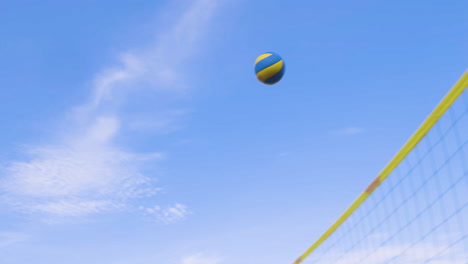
(271, 71)
(276, 78)
(261, 57)
(266, 62)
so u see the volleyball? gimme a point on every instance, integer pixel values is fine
(269, 68)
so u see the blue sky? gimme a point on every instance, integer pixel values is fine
(136, 132)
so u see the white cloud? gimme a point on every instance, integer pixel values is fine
(349, 131)
(159, 65)
(110, 79)
(200, 258)
(84, 171)
(167, 215)
(10, 238)
(80, 176)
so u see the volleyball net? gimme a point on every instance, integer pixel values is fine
(416, 210)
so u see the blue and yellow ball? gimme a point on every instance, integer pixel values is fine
(269, 68)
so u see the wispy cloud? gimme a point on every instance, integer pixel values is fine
(200, 258)
(10, 238)
(84, 171)
(85, 174)
(159, 66)
(167, 215)
(349, 131)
